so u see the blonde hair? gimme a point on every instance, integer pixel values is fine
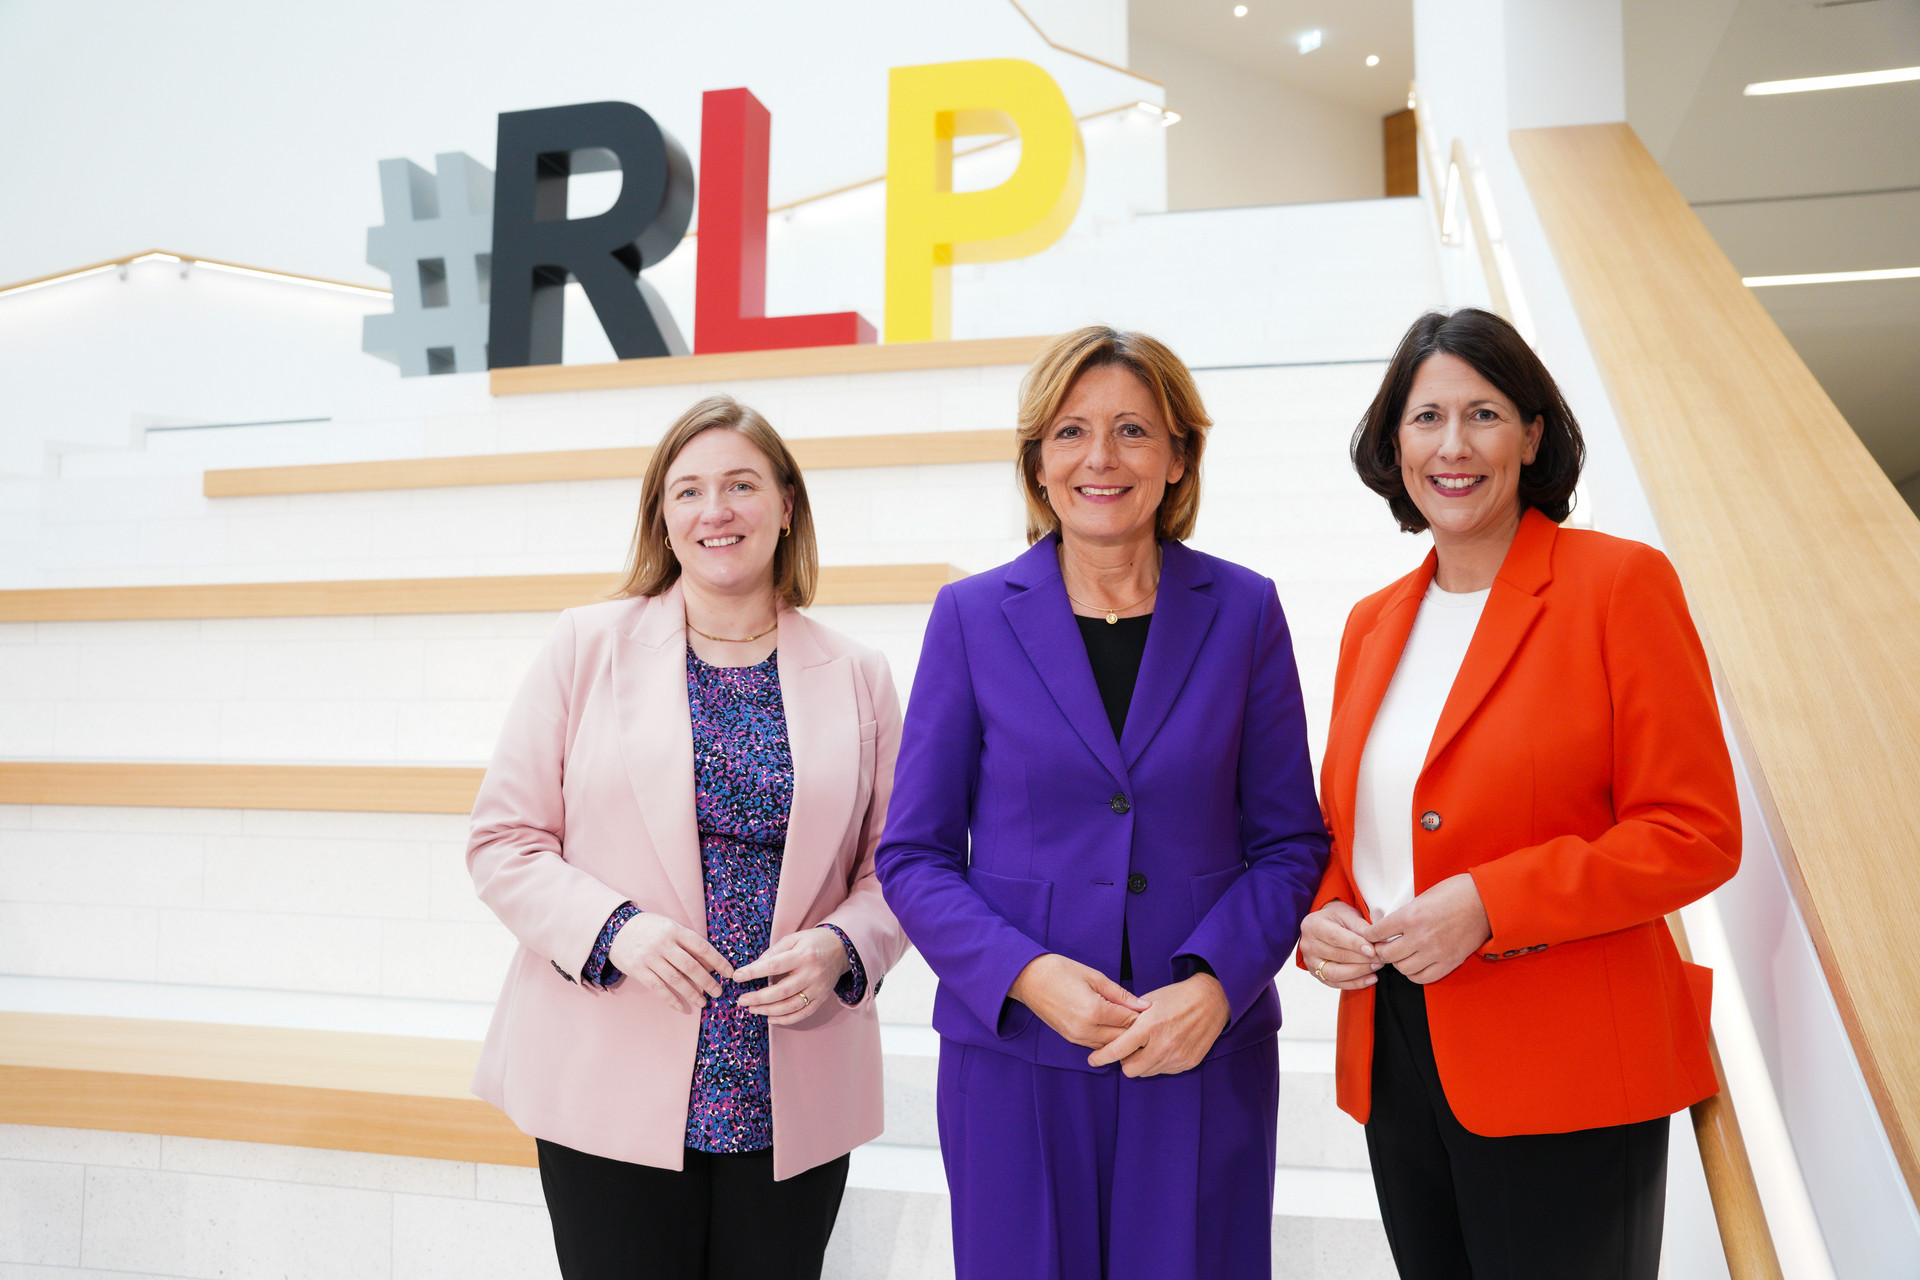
(1050, 380)
(651, 565)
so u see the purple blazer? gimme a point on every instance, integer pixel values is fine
(1018, 826)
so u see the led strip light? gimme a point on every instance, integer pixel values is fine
(207, 264)
(1854, 81)
(1832, 277)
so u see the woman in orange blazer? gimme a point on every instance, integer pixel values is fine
(1524, 774)
(678, 826)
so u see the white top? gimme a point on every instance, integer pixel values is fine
(1397, 745)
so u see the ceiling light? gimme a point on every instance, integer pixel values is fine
(1832, 277)
(1169, 118)
(1309, 41)
(1239, 11)
(1854, 81)
(1160, 114)
(1373, 59)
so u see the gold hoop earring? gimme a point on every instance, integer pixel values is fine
(669, 543)
(786, 531)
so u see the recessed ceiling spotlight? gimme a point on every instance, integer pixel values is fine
(1854, 81)
(1308, 41)
(1373, 59)
(1239, 11)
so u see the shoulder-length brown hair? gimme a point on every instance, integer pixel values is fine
(1499, 354)
(1045, 389)
(651, 565)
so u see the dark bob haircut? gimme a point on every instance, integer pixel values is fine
(1499, 354)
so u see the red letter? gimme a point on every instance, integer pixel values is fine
(730, 287)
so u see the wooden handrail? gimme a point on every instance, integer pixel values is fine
(1799, 560)
(1461, 180)
(1737, 1210)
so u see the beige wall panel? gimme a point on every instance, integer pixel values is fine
(1801, 562)
(735, 366)
(524, 593)
(324, 788)
(896, 450)
(397, 1095)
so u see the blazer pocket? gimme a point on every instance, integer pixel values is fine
(869, 730)
(1210, 888)
(1024, 904)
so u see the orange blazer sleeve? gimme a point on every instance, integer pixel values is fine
(1676, 834)
(1335, 883)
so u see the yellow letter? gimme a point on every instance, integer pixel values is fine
(930, 226)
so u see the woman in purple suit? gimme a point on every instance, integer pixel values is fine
(1103, 836)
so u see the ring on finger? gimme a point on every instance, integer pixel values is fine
(805, 999)
(1320, 972)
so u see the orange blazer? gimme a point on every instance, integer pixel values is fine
(1578, 772)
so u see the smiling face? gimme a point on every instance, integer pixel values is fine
(1462, 445)
(724, 509)
(1107, 458)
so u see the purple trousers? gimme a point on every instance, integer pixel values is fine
(1069, 1175)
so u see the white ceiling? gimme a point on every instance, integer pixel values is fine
(1263, 42)
(1805, 182)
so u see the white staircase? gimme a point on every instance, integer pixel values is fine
(366, 921)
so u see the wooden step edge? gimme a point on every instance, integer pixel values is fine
(522, 593)
(240, 1111)
(327, 788)
(796, 362)
(895, 449)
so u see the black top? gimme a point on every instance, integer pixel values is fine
(1115, 650)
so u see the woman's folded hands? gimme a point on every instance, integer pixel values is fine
(1165, 1031)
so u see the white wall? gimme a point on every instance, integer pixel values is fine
(1097, 28)
(1244, 139)
(252, 133)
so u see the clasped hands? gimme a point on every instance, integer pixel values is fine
(684, 970)
(1163, 1032)
(1426, 940)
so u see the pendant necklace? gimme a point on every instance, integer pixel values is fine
(1113, 615)
(731, 640)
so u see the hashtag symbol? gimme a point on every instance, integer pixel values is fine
(437, 246)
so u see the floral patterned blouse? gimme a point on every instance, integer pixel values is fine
(742, 792)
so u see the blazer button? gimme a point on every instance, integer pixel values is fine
(1120, 805)
(1136, 883)
(1430, 820)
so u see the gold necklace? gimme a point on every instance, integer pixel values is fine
(730, 640)
(1113, 615)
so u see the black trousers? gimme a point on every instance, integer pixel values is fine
(1587, 1205)
(721, 1218)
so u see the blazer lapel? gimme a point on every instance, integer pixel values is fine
(1042, 618)
(823, 731)
(1379, 658)
(1512, 607)
(1181, 618)
(656, 742)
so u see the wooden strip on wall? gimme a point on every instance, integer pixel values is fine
(397, 1095)
(1801, 563)
(339, 788)
(905, 449)
(737, 366)
(525, 593)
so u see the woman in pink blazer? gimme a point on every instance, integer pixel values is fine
(679, 826)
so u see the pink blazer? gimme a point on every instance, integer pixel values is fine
(589, 803)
